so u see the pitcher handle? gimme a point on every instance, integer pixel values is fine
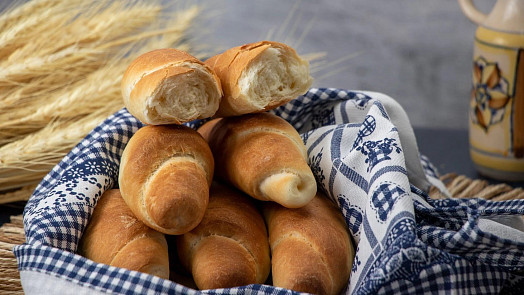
(471, 11)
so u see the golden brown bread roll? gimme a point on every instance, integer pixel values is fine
(165, 174)
(230, 246)
(259, 76)
(169, 86)
(262, 155)
(311, 250)
(114, 236)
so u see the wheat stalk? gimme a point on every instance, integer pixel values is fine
(104, 82)
(22, 23)
(27, 160)
(21, 194)
(77, 49)
(57, 85)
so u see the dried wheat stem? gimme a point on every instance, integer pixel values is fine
(60, 81)
(70, 56)
(28, 25)
(98, 84)
(22, 194)
(15, 13)
(35, 148)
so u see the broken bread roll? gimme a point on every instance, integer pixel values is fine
(311, 249)
(114, 236)
(165, 174)
(230, 247)
(262, 155)
(259, 76)
(169, 86)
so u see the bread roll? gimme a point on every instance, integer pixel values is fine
(311, 250)
(116, 237)
(165, 174)
(230, 246)
(169, 86)
(262, 155)
(259, 76)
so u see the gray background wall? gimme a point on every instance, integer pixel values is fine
(417, 51)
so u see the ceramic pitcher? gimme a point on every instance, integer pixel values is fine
(496, 116)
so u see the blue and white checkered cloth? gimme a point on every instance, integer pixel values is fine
(363, 153)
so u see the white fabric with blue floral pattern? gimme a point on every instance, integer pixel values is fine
(363, 153)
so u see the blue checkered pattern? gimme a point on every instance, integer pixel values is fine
(384, 197)
(429, 168)
(457, 230)
(407, 242)
(353, 215)
(103, 278)
(98, 154)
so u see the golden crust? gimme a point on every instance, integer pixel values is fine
(255, 148)
(147, 73)
(152, 60)
(229, 67)
(311, 247)
(230, 246)
(114, 236)
(165, 174)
